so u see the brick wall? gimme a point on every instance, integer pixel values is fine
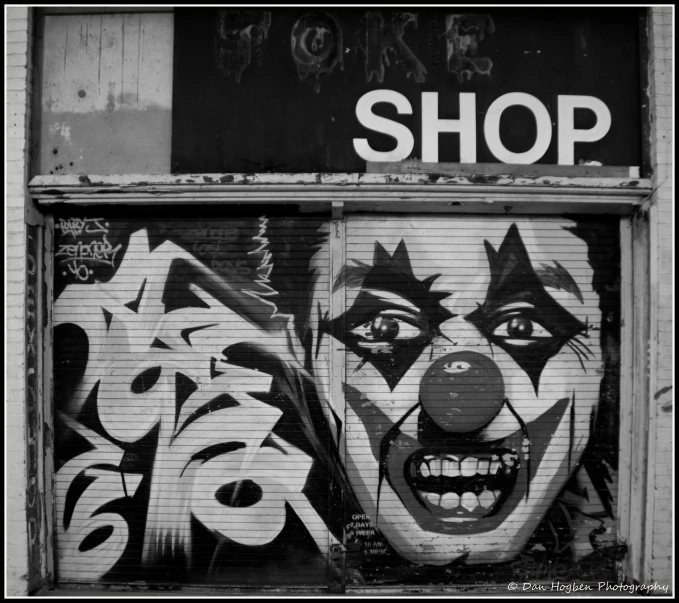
(659, 548)
(18, 36)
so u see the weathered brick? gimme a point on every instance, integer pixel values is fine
(17, 41)
(17, 12)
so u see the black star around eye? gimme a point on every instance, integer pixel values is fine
(513, 280)
(392, 274)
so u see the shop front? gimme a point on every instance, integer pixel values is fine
(371, 332)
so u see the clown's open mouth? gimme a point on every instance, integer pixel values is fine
(465, 485)
(468, 487)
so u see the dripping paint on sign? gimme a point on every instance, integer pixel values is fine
(385, 36)
(237, 33)
(316, 42)
(463, 34)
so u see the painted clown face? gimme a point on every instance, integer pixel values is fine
(473, 368)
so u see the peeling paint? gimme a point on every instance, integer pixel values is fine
(62, 129)
(383, 37)
(463, 34)
(237, 32)
(316, 43)
(480, 179)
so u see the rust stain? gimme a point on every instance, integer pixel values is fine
(463, 34)
(101, 28)
(138, 54)
(316, 42)
(234, 39)
(122, 61)
(384, 37)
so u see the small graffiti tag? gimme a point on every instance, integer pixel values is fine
(77, 226)
(78, 256)
(208, 244)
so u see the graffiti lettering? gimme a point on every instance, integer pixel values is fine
(237, 32)
(220, 234)
(77, 226)
(197, 429)
(384, 37)
(33, 411)
(213, 454)
(463, 34)
(77, 256)
(317, 46)
(107, 532)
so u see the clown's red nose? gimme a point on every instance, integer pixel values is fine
(462, 392)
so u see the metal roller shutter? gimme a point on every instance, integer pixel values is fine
(188, 434)
(481, 398)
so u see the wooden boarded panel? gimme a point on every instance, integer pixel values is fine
(190, 441)
(106, 94)
(481, 398)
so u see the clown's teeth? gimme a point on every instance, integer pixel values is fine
(469, 466)
(484, 465)
(450, 500)
(486, 499)
(494, 467)
(433, 498)
(435, 467)
(469, 501)
(424, 469)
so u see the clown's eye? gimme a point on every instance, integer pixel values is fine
(386, 328)
(520, 330)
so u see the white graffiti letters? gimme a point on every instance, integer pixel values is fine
(85, 535)
(78, 257)
(216, 459)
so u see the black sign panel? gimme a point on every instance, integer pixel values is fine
(276, 90)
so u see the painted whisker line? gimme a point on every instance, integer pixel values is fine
(583, 344)
(578, 354)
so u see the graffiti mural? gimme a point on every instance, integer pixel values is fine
(475, 351)
(197, 441)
